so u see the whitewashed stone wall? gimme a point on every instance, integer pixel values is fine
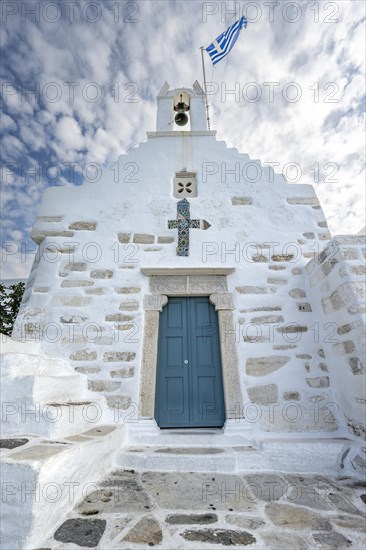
(337, 282)
(84, 297)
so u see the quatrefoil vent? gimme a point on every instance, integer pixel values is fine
(184, 185)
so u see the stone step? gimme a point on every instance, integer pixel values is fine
(190, 459)
(313, 456)
(43, 479)
(141, 435)
(55, 419)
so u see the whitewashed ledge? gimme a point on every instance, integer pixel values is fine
(149, 271)
(43, 479)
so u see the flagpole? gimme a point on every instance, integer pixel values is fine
(205, 87)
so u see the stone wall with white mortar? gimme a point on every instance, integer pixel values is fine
(84, 297)
(337, 285)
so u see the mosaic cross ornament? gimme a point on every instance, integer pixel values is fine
(184, 223)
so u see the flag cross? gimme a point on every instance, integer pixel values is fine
(184, 223)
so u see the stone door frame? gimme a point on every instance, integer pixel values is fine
(164, 283)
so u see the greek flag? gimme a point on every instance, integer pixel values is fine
(224, 43)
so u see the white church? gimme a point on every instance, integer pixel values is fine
(187, 307)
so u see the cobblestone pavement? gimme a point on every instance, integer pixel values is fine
(202, 510)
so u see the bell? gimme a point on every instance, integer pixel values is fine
(181, 118)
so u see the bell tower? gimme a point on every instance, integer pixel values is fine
(182, 109)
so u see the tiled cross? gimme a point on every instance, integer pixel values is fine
(184, 223)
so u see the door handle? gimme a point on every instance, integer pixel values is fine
(185, 361)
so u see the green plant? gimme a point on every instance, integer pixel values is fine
(10, 299)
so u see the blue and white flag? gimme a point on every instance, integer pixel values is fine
(224, 43)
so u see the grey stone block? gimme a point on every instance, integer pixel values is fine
(323, 367)
(82, 532)
(283, 541)
(71, 301)
(83, 355)
(255, 339)
(349, 253)
(119, 402)
(326, 236)
(101, 274)
(143, 238)
(307, 201)
(83, 226)
(12, 443)
(291, 328)
(88, 370)
(295, 517)
(261, 366)
(165, 240)
(264, 319)
(75, 266)
(42, 289)
(318, 382)
(358, 269)
(263, 394)
(244, 522)
(276, 281)
(147, 531)
(103, 385)
(95, 291)
(331, 540)
(343, 348)
(128, 326)
(48, 219)
(292, 396)
(304, 306)
(297, 293)
(124, 237)
(38, 235)
(127, 290)
(67, 283)
(260, 258)
(114, 356)
(225, 537)
(282, 257)
(255, 290)
(73, 319)
(193, 491)
(127, 372)
(118, 317)
(241, 201)
(357, 365)
(129, 306)
(189, 519)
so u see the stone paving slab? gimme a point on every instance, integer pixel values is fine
(168, 510)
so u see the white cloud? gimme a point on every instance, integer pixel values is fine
(164, 45)
(68, 133)
(16, 265)
(12, 147)
(7, 123)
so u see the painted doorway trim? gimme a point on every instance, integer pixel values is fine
(163, 286)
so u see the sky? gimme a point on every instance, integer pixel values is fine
(79, 81)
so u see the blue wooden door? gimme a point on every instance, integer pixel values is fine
(189, 388)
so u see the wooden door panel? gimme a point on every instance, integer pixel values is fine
(189, 388)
